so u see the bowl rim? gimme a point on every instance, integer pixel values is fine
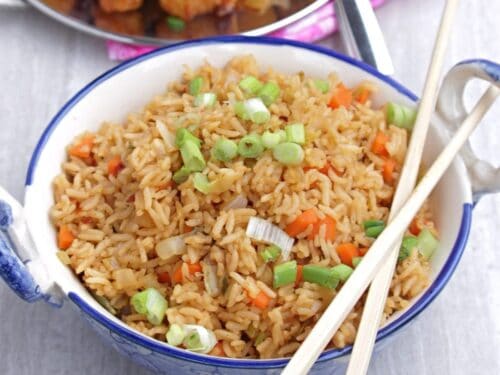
(126, 332)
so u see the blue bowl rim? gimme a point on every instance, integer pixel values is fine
(162, 348)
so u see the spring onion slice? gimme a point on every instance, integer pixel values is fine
(181, 175)
(270, 253)
(270, 140)
(296, 133)
(407, 245)
(198, 339)
(175, 335)
(250, 146)
(207, 99)
(151, 303)
(183, 135)
(201, 183)
(262, 230)
(240, 110)
(195, 85)
(252, 109)
(269, 93)
(400, 115)
(284, 274)
(322, 85)
(427, 243)
(225, 149)
(288, 153)
(250, 85)
(192, 156)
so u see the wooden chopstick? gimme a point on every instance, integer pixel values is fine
(377, 295)
(352, 290)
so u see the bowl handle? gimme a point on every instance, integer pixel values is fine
(485, 178)
(20, 267)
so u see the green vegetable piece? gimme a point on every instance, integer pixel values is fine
(427, 243)
(182, 135)
(356, 261)
(320, 275)
(260, 337)
(269, 93)
(407, 245)
(343, 271)
(175, 335)
(151, 303)
(192, 156)
(225, 149)
(175, 23)
(270, 139)
(400, 115)
(284, 274)
(207, 99)
(195, 85)
(372, 223)
(282, 135)
(250, 146)
(193, 341)
(250, 85)
(296, 134)
(288, 153)
(181, 175)
(322, 85)
(241, 111)
(270, 253)
(374, 232)
(201, 183)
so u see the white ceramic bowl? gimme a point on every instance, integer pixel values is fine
(28, 261)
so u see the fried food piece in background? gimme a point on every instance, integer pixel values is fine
(188, 9)
(130, 23)
(110, 6)
(63, 6)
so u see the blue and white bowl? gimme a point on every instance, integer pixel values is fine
(28, 261)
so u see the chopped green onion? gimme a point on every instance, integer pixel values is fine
(407, 245)
(356, 261)
(400, 115)
(282, 135)
(182, 135)
(427, 243)
(175, 23)
(285, 273)
(262, 230)
(270, 253)
(288, 153)
(181, 175)
(250, 85)
(225, 149)
(374, 232)
(250, 146)
(104, 302)
(260, 337)
(175, 335)
(192, 156)
(195, 85)
(151, 303)
(343, 271)
(207, 99)
(270, 139)
(201, 183)
(241, 111)
(296, 133)
(269, 93)
(322, 85)
(256, 110)
(320, 275)
(198, 338)
(372, 223)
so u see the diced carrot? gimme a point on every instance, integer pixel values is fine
(187, 229)
(342, 97)
(83, 148)
(194, 268)
(218, 350)
(325, 168)
(378, 146)
(346, 252)
(363, 251)
(163, 277)
(65, 237)
(361, 94)
(330, 231)
(131, 198)
(302, 221)
(388, 170)
(298, 279)
(261, 300)
(415, 227)
(115, 165)
(178, 276)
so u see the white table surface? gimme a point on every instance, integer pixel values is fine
(43, 63)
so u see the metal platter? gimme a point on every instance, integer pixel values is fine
(147, 25)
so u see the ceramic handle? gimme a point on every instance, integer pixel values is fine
(20, 268)
(485, 178)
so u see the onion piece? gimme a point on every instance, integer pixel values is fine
(210, 278)
(170, 247)
(168, 136)
(240, 201)
(198, 339)
(262, 230)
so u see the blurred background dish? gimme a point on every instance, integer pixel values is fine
(158, 22)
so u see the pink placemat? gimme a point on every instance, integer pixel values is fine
(311, 28)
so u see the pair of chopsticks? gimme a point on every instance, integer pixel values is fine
(379, 263)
